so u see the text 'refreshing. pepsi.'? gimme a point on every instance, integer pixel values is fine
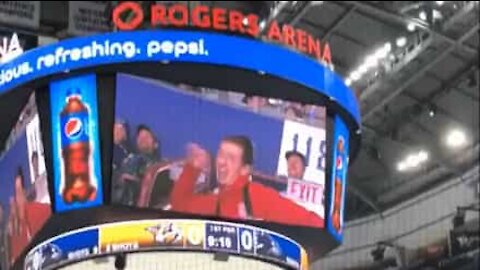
(76, 155)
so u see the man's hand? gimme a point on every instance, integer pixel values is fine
(198, 157)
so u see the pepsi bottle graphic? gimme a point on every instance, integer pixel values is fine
(336, 204)
(339, 169)
(76, 152)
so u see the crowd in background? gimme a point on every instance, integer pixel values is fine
(310, 114)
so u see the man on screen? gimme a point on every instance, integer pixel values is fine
(296, 164)
(236, 196)
(30, 217)
(121, 143)
(134, 166)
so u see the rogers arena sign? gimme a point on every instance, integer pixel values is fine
(10, 48)
(221, 19)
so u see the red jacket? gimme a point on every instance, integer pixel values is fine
(266, 203)
(36, 216)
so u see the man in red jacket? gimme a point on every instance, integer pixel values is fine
(236, 196)
(29, 217)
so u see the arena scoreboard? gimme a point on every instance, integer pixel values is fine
(174, 140)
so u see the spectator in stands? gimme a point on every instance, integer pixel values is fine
(121, 144)
(296, 164)
(294, 111)
(30, 217)
(315, 115)
(255, 103)
(121, 151)
(134, 166)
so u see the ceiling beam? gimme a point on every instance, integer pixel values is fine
(406, 20)
(276, 10)
(431, 145)
(394, 25)
(297, 17)
(364, 197)
(408, 7)
(412, 185)
(405, 60)
(468, 94)
(443, 167)
(369, 113)
(436, 156)
(338, 23)
(406, 144)
(420, 107)
(423, 104)
(458, 16)
(345, 37)
(458, 89)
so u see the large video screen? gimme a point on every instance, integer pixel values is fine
(24, 197)
(218, 153)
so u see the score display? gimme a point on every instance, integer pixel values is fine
(199, 235)
(247, 240)
(222, 237)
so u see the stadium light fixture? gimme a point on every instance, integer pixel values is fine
(422, 15)
(413, 161)
(411, 27)
(456, 138)
(401, 41)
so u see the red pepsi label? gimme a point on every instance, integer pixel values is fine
(74, 128)
(339, 163)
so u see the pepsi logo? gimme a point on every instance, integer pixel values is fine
(339, 163)
(73, 127)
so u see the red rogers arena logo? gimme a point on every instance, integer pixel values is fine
(221, 19)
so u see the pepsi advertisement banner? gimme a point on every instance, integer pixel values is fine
(194, 235)
(339, 179)
(177, 46)
(218, 153)
(24, 197)
(75, 142)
